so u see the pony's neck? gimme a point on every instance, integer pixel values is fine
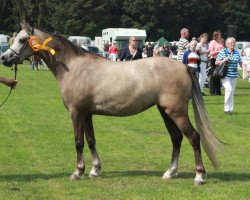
(57, 63)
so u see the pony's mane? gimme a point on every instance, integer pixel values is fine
(67, 44)
(59, 39)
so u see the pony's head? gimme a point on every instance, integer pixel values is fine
(20, 49)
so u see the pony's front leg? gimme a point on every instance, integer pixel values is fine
(90, 137)
(79, 144)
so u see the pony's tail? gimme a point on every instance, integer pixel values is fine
(210, 142)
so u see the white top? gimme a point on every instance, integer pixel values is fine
(193, 59)
(202, 47)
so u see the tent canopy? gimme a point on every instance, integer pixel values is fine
(162, 40)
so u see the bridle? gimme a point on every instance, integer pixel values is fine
(17, 55)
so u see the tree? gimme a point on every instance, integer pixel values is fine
(159, 18)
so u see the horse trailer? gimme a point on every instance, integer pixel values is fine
(121, 36)
(4, 39)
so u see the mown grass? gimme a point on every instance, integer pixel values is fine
(37, 153)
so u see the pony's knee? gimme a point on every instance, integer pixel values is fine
(91, 144)
(79, 145)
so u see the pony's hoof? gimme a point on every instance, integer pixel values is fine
(170, 174)
(75, 177)
(199, 183)
(93, 174)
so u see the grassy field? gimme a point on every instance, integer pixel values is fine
(37, 153)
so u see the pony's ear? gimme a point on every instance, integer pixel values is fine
(27, 27)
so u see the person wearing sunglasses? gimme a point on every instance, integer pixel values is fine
(131, 52)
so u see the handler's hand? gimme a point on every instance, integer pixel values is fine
(11, 83)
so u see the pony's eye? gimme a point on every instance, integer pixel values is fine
(22, 40)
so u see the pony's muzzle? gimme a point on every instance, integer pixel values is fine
(5, 60)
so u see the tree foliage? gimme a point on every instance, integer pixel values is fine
(159, 18)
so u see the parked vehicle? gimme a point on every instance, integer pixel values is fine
(121, 36)
(95, 50)
(80, 40)
(4, 39)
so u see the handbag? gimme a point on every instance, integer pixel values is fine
(220, 70)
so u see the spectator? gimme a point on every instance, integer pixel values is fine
(106, 50)
(156, 53)
(191, 57)
(246, 63)
(157, 46)
(113, 52)
(149, 50)
(34, 62)
(202, 47)
(165, 51)
(215, 46)
(229, 82)
(131, 52)
(8, 82)
(183, 44)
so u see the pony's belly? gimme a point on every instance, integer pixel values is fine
(120, 111)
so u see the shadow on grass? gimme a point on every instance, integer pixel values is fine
(32, 177)
(227, 176)
(224, 176)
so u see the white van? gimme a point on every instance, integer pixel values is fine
(240, 45)
(4, 39)
(80, 40)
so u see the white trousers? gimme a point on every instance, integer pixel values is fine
(112, 56)
(202, 75)
(229, 84)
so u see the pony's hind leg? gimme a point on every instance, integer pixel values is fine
(90, 137)
(176, 138)
(79, 144)
(184, 124)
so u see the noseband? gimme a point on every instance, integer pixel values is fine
(34, 43)
(17, 55)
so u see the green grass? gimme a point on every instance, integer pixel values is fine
(37, 153)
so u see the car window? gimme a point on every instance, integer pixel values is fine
(94, 49)
(240, 46)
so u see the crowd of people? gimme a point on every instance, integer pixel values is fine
(216, 52)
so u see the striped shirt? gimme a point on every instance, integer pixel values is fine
(182, 47)
(234, 60)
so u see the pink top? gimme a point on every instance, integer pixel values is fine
(113, 49)
(214, 46)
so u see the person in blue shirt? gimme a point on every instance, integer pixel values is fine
(131, 52)
(229, 82)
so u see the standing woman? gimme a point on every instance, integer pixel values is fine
(229, 82)
(215, 46)
(131, 52)
(202, 47)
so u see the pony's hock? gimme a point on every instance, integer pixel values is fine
(92, 85)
